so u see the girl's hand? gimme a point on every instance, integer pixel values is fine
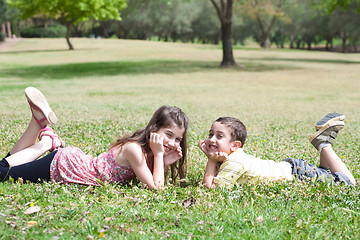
(156, 144)
(173, 157)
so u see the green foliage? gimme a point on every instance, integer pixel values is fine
(70, 11)
(6, 13)
(52, 31)
(3, 9)
(330, 5)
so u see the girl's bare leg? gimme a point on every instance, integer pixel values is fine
(329, 159)
(26, 149)
(30, 153)
(28, 138)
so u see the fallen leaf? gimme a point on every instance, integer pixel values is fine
(11, 223)
(31, 223)
(101, 234)
(259, 219)
(189, 202)
(89, 237)
(33, 209)
(299, 223)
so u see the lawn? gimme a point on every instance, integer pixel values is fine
(108, 87)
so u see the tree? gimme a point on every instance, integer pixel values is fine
(346, 24)
(70, 12)
(344, 18)
(205, 25)
(224, 9)
(330, 5)
(265, 13)
(3, 9)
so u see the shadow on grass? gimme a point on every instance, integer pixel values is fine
(81, 70)
(45, 51)
(335, 61)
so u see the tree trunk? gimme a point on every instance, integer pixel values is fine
(343, 36)
(343, 45)
(267, 42)
(224, 11)
(67, 25)
(228, 58)
(68, 37)
(309, 44)
(291, 41)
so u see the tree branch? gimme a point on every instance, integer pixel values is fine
(219, 11)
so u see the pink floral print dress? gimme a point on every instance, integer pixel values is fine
(71, 165)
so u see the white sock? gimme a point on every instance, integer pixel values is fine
(322, 145)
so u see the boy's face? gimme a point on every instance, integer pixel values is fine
(219, 139)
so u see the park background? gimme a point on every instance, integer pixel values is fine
(110, 87)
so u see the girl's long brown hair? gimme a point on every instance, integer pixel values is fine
(164, 117)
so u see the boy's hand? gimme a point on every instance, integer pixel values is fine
(156, 144)
(203, 147)
(219, 157)
(216, 157)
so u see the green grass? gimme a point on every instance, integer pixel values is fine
(108, 88)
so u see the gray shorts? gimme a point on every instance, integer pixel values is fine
(305, 171)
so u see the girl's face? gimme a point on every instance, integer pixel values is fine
(172, 136)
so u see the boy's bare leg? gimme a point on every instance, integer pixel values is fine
(329, 159)
(323, 139)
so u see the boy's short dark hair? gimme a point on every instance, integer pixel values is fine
(238, 132)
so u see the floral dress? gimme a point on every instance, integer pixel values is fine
(71, 165)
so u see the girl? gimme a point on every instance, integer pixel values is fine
(145, 154)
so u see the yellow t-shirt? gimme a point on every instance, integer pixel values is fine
(241, 167)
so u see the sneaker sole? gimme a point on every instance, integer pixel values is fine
(329, 118)
(39, 100)
(338, 124)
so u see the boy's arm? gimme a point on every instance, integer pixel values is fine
(211, 166)
(209, 174)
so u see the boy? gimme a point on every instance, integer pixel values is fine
(224, 146)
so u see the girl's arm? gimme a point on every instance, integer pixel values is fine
(157, 147)
(134, 155)
(159, 172)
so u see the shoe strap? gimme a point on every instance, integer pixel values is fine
(52, 135)
(39, 121)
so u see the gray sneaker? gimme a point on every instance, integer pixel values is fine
(327, 133)
(328, 118)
